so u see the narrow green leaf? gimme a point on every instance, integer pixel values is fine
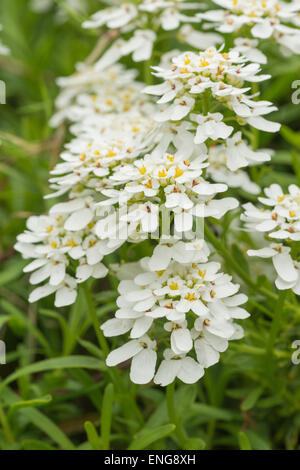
(92, 436)
(244, 441)
(36, 445)
(290, 136)
(36, 402)
(148, 436)
(194, 444)
(251, 399)
(84, 362)
(212, 412)
(106, 415)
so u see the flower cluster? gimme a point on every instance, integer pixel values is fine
(279, 221)
(188, 310)
(64, 250)
(226, 161)
(135, 170)
(160, 182)
(263, 19)
(211, 75)
(94, 91)
(127, 16)
(140, 22)
(44, 6)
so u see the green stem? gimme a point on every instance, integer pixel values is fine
(72, 13)
(174, 419)
(93, 314)
(221, 248)
(113, 371)
(270, 357)
(147, 72)
(9, 437)
(275, 323)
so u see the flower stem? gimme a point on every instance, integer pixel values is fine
(173, 415)
(93, 314)
(7, 431)
(113, 372)
(275, 327)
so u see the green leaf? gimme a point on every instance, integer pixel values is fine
(36, 445)
(240, 257)
(91, 348)
(47, 426)
(147, 436)
(18, 314)
(67, 362)
(30, 403)
(296, 165)
(106, 415)
(92, 435)
(257, 441)
(194, 444)
(244, 442)
(251, 399)
(3, 320)
(11, 272)
(290, 136)
(39, 420)
(212, 412)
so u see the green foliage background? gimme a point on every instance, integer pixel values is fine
(55, 391)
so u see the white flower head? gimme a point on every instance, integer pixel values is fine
(195, 305)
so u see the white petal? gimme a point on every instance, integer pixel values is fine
(181, 341)
(79, 220)
(206, 354)
(143, 366)
(124, 353)
(167, 372)
(65, 296)
(190, 371)
(284, 266)
(141, 326)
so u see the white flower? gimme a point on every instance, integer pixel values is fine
(282, 221)
(159, 183)
(222, 78)
(195, 305)
(125, 16)
(211, 126)
(239, 154)
(265, 19)
(248, 48)
(169, 12)
(288, 270)
(56, 241)
(183, 252)
(181, 366)
(142, 352)
(220, 173)
(65, 292)
(199, 39)
(114, 17)
(140, 45)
